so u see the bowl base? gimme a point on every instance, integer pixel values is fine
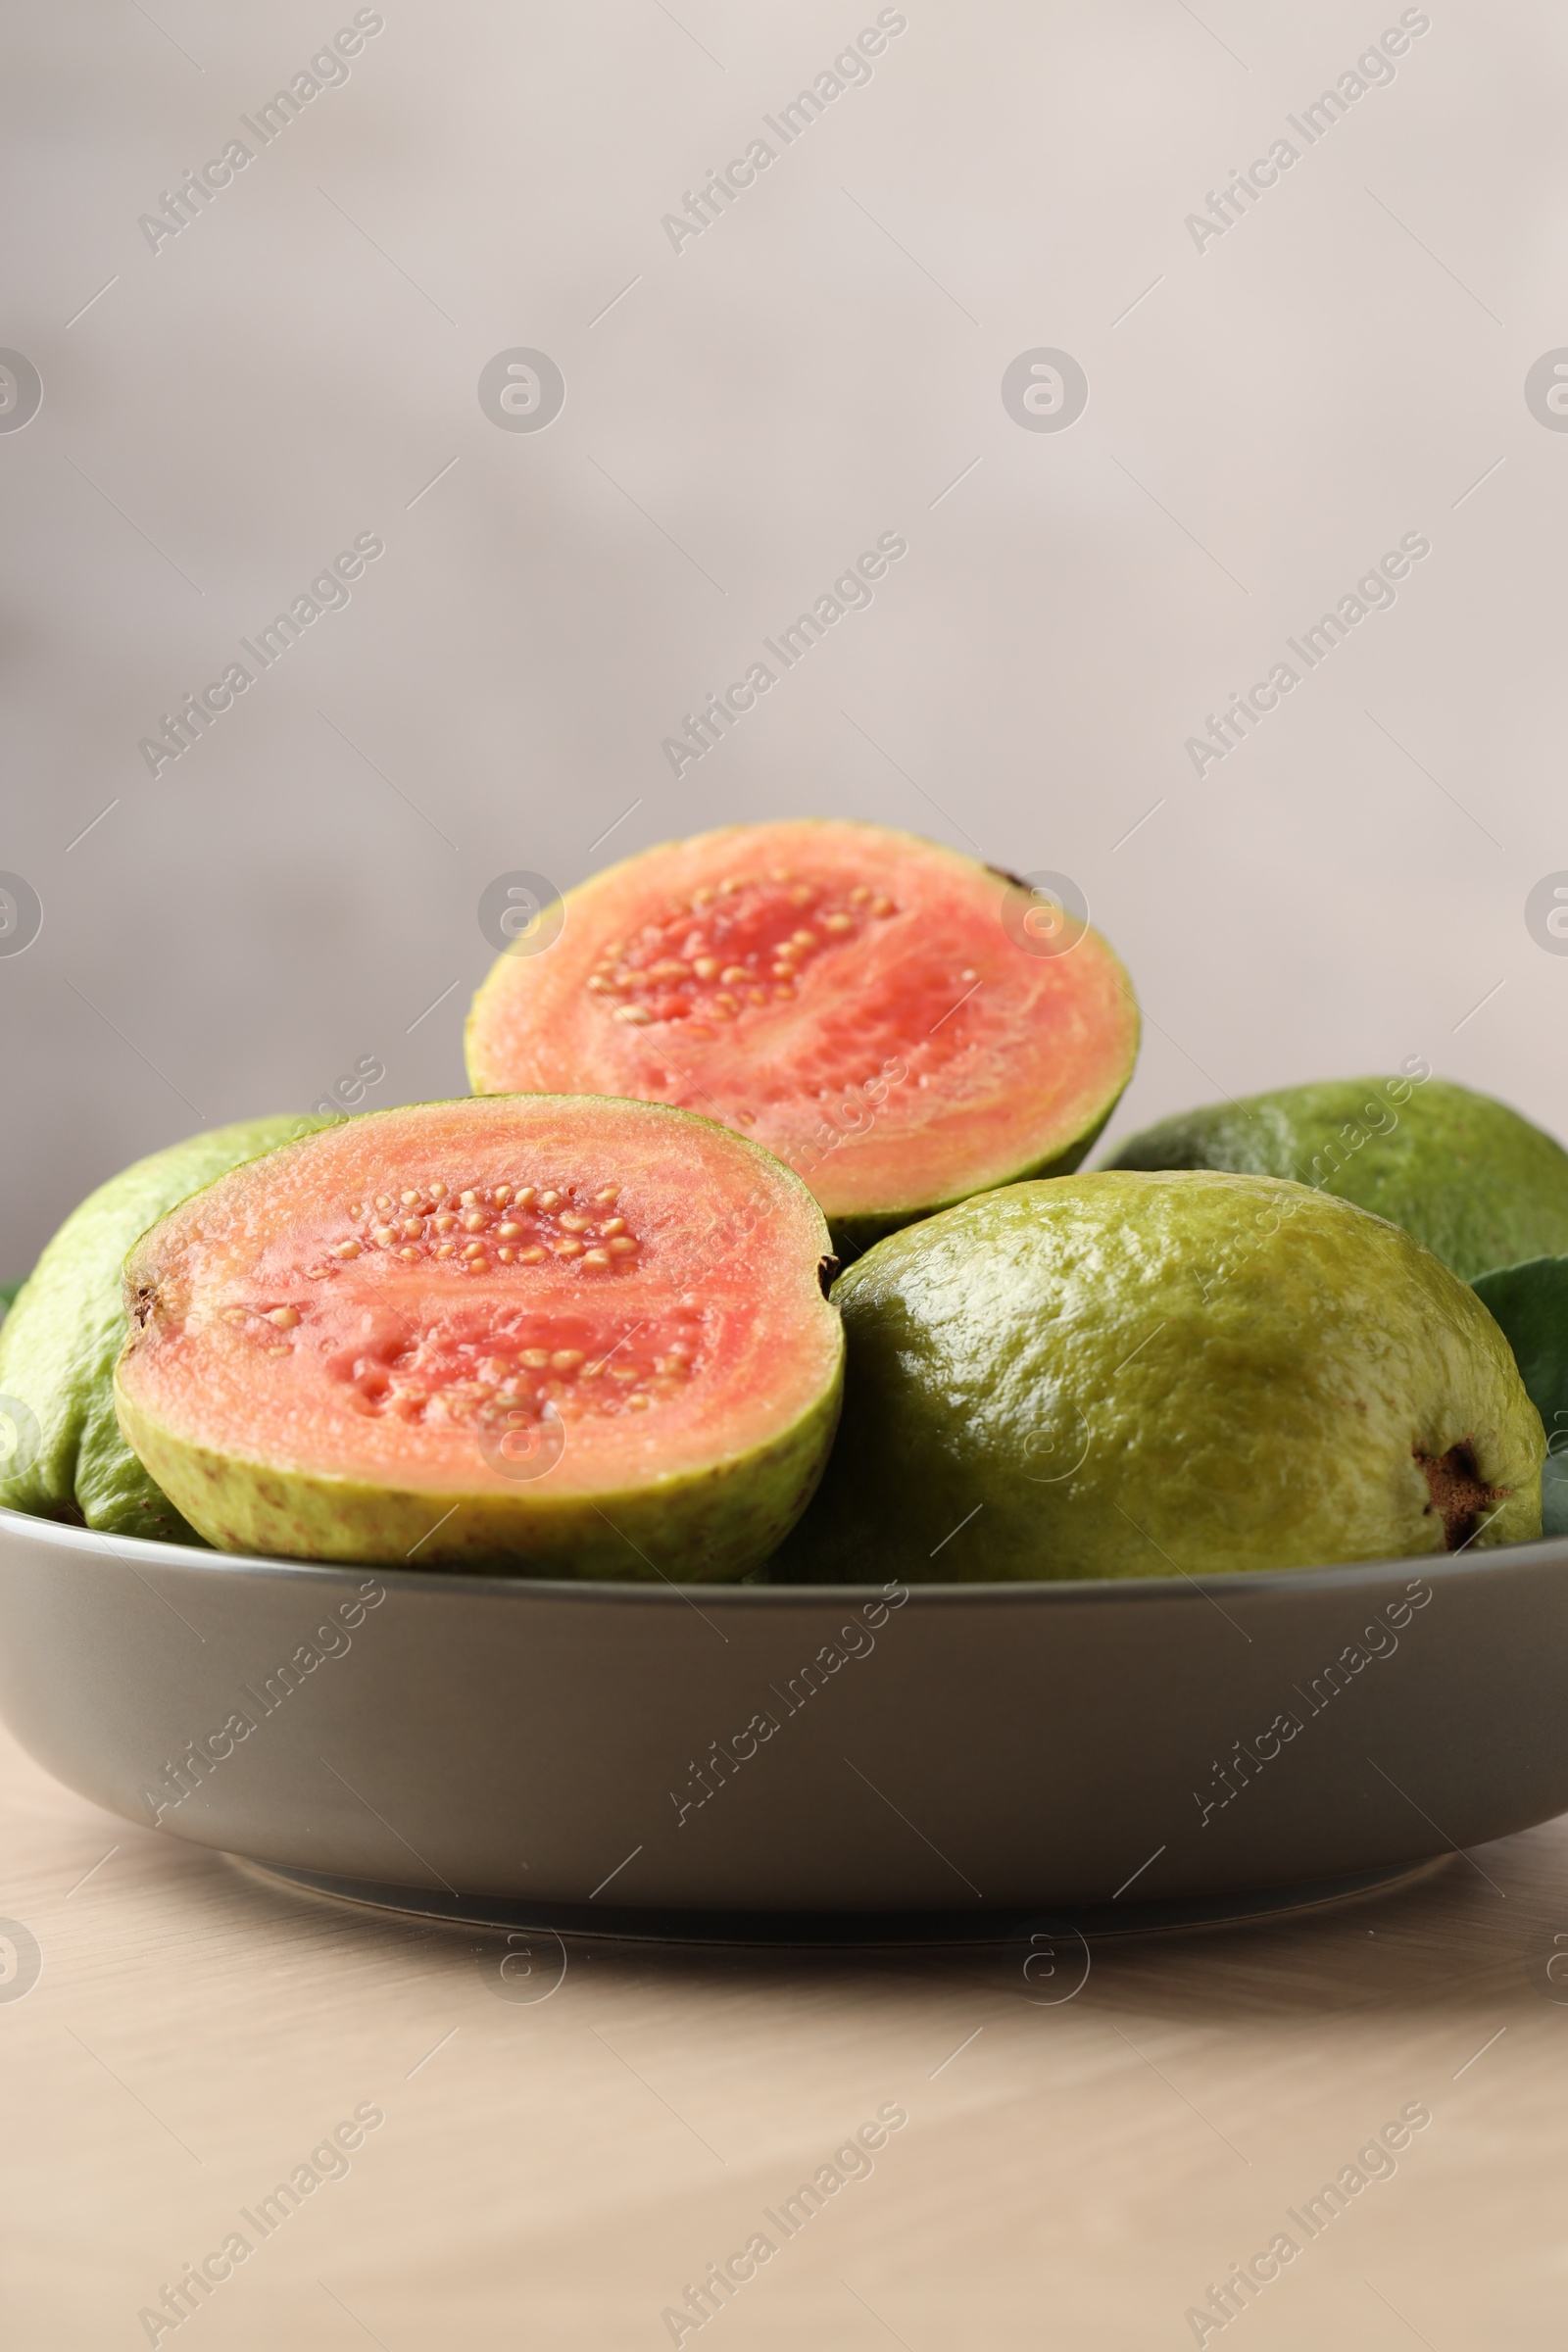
(847, 1930)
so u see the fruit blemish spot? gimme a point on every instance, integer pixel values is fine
(713, 956)
(1460, 1495)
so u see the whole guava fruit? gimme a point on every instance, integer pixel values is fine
(1465, 1174)
(1133, 1374)
(63, 1457)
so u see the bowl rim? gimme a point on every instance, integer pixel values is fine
(1039, 1592)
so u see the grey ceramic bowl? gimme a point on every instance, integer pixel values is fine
(747, 1761)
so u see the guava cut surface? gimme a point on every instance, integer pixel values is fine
(550, 1336)
(1465, 1174)
(900, 1025)
(1139, 1375)
(60, 1340)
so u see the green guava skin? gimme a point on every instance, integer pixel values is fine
(1128, 1374)
(1477, 1183)
(707, 1526)
(852, 1235)
(63, 1335)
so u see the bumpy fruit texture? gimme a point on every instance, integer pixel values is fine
(900, 1025)
(60, 1340)
(1134, 1375)
(554, 1336)
(1466, 1175)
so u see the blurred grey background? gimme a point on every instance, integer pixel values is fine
(227, 408)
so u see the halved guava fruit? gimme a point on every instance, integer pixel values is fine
(895, 1021)
(556, 1336)
(62, 1456)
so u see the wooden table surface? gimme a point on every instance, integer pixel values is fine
(555, 2172)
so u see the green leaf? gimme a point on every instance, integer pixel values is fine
(1530, 1303)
